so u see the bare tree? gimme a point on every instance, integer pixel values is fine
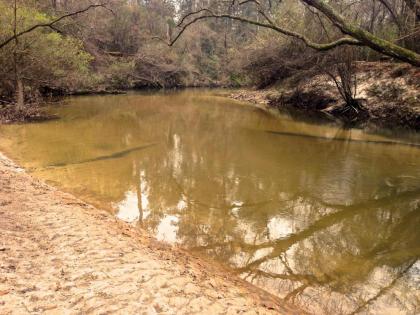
(341, 68)
(353, 34)
(414, 5)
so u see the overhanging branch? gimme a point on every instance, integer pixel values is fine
(366, 38)
(51, 24)
(354, 35)
(209, 15)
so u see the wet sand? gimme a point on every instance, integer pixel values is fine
(59, 255)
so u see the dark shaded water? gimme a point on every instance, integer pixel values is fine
(327, 218)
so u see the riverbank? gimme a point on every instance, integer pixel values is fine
(388, 92)
(60, 255)
(36, 111)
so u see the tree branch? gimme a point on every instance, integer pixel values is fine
(355, 35)
(368, 39)
(271, 25)
(51, 24)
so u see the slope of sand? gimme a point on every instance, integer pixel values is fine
(59, 255)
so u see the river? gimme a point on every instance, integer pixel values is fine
(325, 217)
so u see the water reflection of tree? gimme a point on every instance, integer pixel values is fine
(337, 243)
(349, 227)
(349, 260)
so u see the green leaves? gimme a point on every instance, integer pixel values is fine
(45, 57)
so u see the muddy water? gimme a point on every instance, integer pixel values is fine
(324, 217)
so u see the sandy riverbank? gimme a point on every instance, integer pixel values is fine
(59, 255)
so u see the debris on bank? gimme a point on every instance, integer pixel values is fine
(30, 113)
(389, 94)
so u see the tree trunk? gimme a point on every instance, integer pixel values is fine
(168, 30)
(19, 92)
(20, 98)
(368, 39)
(414, 5)
(355, 35)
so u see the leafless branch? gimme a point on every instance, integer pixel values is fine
(210, 15)
(353, 34)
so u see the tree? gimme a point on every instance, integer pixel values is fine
(342, 71)
(353, 34)
(414, 5)
(18, 80)
(47, 24)
(46, 58)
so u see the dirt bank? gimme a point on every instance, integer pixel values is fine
(59, 255)
(389, 93)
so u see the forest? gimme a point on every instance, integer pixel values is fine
(60, 47)
(210, 157)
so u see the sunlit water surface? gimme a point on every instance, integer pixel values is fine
(326, 218)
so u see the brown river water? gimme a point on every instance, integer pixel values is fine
(325, 217)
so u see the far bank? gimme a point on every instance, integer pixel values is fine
(389, 94)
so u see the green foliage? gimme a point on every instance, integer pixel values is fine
(44, 57)
(120, 74)
(100, 49)
(237, 80)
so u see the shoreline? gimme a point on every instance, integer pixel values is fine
(388, 92)
(60, 254)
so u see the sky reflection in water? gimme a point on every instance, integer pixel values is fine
(330, 225)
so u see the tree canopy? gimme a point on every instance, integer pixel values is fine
(68, 45)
